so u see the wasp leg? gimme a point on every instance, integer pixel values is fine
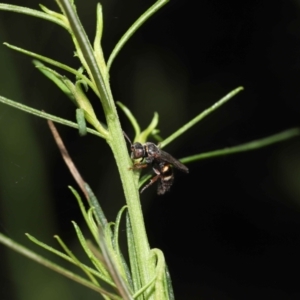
(137, 166)
(153, 179)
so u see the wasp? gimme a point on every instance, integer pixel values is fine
(161, 162)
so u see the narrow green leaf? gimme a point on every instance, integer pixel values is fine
(108, 234)
(44, 115)
(133, 258)
(117, 228)
(92, 223)
(97, 43)
(133, 28)
(83, 211)
(50, 265)
(55, 63)
(156, 136)
(56, 78)
(99, 29)
(161, 291)
(54, 14)
(107, 253)
(97, 263)
(33, 13)
(201, 116)
(94, 203)
(87, 246)
(264, 142)
(169, 284)
(76, 260)
(139, 293)
(143, 137)
(116, 246)
(130, 117)
(68, 258)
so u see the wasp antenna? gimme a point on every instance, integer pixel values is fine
(127, 138)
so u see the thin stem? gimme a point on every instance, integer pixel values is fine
(119, 148)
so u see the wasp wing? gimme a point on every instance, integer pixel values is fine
(165, 156)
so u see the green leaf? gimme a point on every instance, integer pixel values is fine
(50, 265)
(144, 288)
(133, 28)
(68, 258)
(84, 213)
(135, 272)
(74, 258)
(97, 210)
(97, 263)
(143, 137)
(169, 284)
(97, 43)
(107, 253)
(33, 13)
(264, 142)
(119, 255)
(161, 291)
(55, 63)
(130, 117)
(55, 78)
(200, 117)
(44, 115)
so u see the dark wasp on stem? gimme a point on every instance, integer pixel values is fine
(161, 162)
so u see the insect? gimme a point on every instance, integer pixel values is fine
(161, 162)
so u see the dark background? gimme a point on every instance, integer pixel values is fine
(230, 229)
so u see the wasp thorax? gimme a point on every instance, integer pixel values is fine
(137, 151)
(152, 149)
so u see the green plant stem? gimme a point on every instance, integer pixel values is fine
(116, 141)
(118, 146)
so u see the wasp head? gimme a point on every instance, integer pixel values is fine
(137, 151)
